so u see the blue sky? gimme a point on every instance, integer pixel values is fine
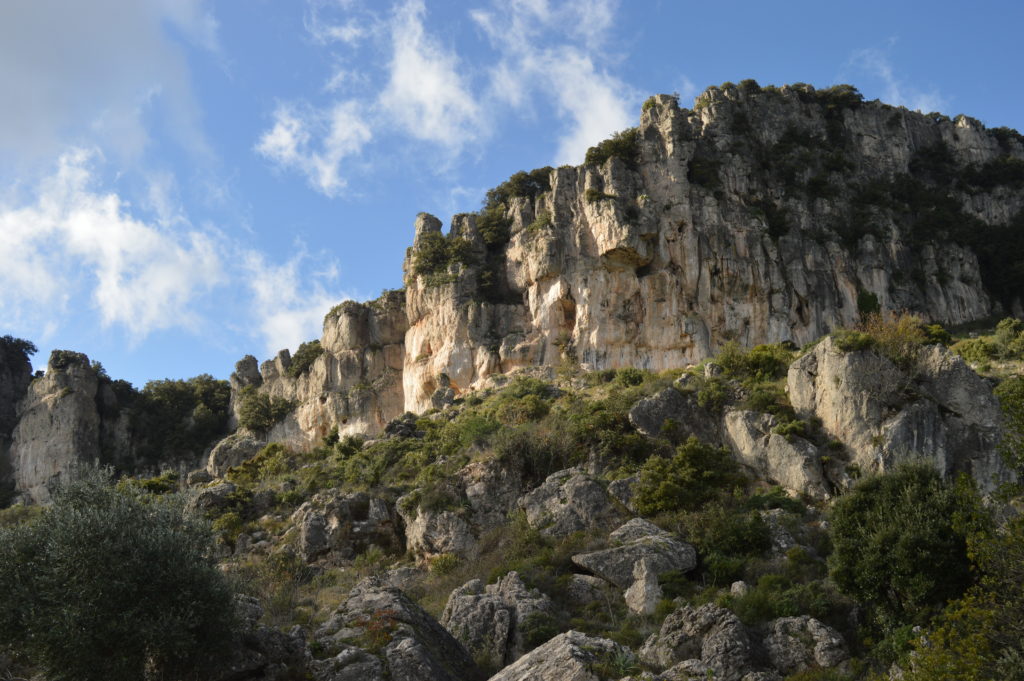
(185, 182)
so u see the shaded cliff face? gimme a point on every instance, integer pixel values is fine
(355, 383)
(763, 216)
(15, 375)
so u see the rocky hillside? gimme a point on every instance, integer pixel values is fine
(761, 215)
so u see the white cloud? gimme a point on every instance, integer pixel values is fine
(141, 277)
(554, 51)
(876, 63)
(316, 142)
(66, 78)
(288, 312)
(427, 95)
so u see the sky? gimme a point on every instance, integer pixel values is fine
(184, 182)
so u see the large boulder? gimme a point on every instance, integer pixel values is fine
(342, 526)
(882, 414)
(432, 532)
(797, 643)
(492, 489)
(384, 624)
(489, 620)
(231, 451)
(211, 499)
(710, 634)
(571, 656)
(789, 461)
(570, 501)
(674, 413)
(639, 540)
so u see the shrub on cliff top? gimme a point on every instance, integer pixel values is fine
(304, 358)
(624, 145)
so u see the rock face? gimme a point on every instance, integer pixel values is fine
(489, 620)
(69, 417)
(342, 526)
(789, 461)
(567, 657)
(15, 375)
(378, 633)
(354, 385)
(231, 451)
(651, 414)
(939, 410)
(797, 643)
(710, 228)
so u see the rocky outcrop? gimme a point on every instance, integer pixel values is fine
(68, 418)
(231, 451)
(571, 656)
(340, 526)
(937, 409)
(786, 460)
(379, 633)
(797, 643)
(489, 620)
(638, 541)
(570, 501)
(354, 384)
(673, 410)
(709, 634)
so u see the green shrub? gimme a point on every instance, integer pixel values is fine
(521, 184)
(704, 172)
(493, 225)
(624, 145)
(539, 627)
(304, 358)
(976, 350)
(899, 546)
(594, 195)
(696, 474)
(260, 412)
(1011, 399)
(629, 376)
(444, 563)
(867, 303)
(435, 253)
(113, 584)
(850, 340)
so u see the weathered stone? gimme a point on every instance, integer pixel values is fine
(791, 462)
(663, 551)
(797, 643)
(622, 491)
(262, 652)
(429, 533)
(643, 595)
(569, 501)
(677, 411)
(413, 646)
(583, 589)
(231, 451)
(341, 526)
(198, 477)
(214, 498)
(567, 657)
(939, 410)
(710, 634)
(489, 620)
(635, 529)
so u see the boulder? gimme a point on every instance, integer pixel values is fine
(710, 633)
(622, 490)
(789, 461)
(643, 596)
(571, 656)
(208, 499)
(489, 620)
(645, 541)
(651, 414)
(430, 533)
(797, 643)
(383, 623)
(342, 526)
(198, 477)
(492, 490)
(231, 451)
(569, 501)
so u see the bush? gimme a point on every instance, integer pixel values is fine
(113, 584)
(435, 253)
(696, 474)
(1011, 399)
(260, 412)
(304, 358)
(624, 145)
(976, 350)
(900, 545)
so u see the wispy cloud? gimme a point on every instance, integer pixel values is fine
(553, 51)
(876, 63)
(316, 142)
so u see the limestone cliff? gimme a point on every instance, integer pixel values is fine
(761, 215)
(15, 375)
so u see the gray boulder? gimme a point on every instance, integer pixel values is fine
(663, 552)
(383, 623)
(215, 498)
(643, 596)
(342, 526)
(650, 415)
(231, 451)
(710, 633)
(430, 533)
(796, 643)
(571, 656)
(791, 462)
(489, 620)
(569, 501)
